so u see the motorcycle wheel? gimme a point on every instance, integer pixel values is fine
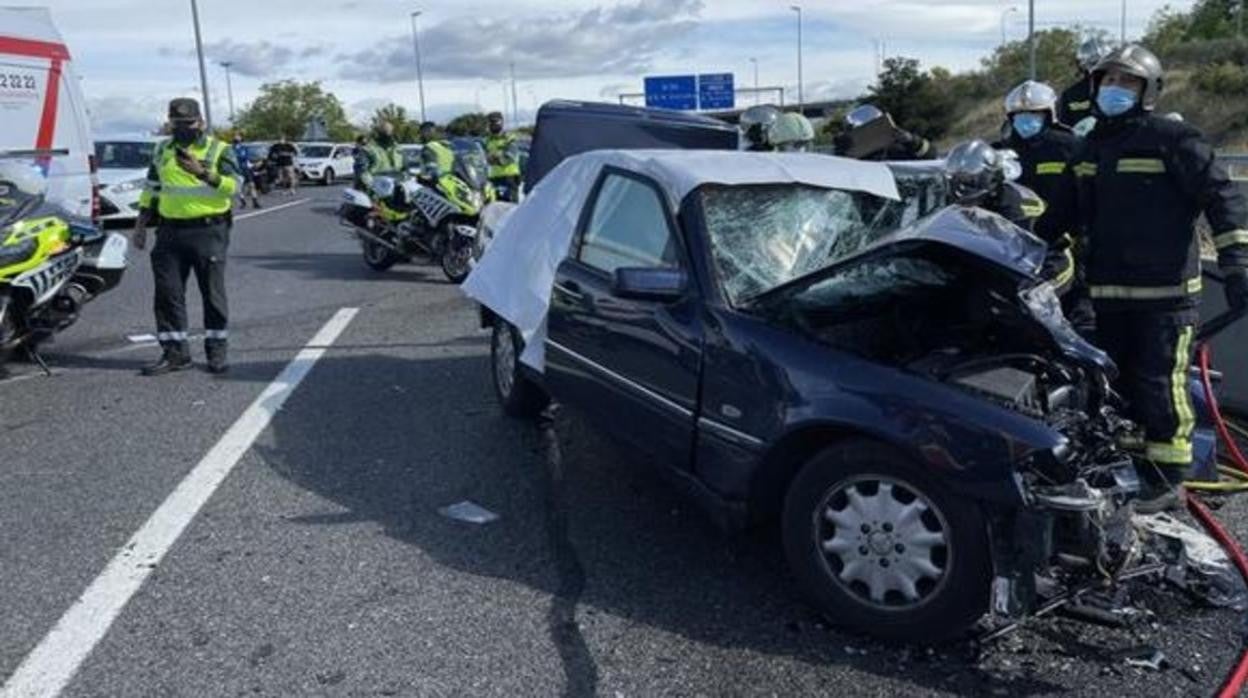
(378, 257)
(8, 331)
(455, 263)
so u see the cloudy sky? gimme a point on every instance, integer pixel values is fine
(134, 55)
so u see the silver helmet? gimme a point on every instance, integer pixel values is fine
(974, 171)
(863, 115)
(1090, 52)
(1139, 62)
(792, 131)
(756, 123)
(1032, 96)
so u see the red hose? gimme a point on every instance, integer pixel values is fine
(1235, 681)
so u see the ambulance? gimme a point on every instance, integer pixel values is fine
(42, 109)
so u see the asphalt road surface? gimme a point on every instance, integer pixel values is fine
(317, 563)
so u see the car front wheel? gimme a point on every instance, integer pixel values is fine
(328, 178)
(880, 546)
(518, 396)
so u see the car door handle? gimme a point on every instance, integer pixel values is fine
(570, 289)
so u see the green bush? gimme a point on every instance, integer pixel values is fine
(1221, 79)
(1204, 53)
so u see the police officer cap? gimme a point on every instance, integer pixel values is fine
(184, 109)
(495, 116)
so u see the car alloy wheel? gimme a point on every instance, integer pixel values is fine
(883, 542)
(504, 363)
(328, 178)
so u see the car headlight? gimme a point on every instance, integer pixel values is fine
(127, 186)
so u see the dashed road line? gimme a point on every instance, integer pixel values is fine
(52, 664)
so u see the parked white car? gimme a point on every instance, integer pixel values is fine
(123, 163)
(325, 162)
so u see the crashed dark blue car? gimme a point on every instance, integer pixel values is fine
(886, 376)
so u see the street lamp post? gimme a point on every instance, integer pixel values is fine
(801, 101)
(229, 89)
(1123, 35)
(755, 62)
(1031, 37)
(203, 73)
(1005, 14)
(420, 77)
(515, 104)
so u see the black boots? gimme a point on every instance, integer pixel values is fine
(218, 362)
(1161, 488)
(172, 360)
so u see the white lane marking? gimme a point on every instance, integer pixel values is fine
(50, 666)
(261, 212)
(141, 338)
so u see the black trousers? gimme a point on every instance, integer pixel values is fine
(177, 253)
(1153, 350)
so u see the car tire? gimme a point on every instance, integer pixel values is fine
(327, 179)
(911, 562)
(517, 395)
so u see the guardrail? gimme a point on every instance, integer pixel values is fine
(1236, 164)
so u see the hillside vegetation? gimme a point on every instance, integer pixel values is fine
(1206, 79)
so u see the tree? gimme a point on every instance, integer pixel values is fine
(1056, 49)
(285, 109)
(405, 130)
(913, 98)
(1212, 19)
(468, 125)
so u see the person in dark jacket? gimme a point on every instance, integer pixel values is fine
(1141, 181)
(1044, 147)
(1076, 102)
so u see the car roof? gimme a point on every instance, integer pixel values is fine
(128, 138)
(679, 172)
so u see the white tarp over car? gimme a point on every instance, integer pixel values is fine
(514, 277)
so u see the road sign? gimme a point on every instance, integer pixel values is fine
(672, 92)
(715, 91)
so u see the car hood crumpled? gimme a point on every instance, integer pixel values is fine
(514, 277)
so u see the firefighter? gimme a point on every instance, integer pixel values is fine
(756, 123)
(1141, 180)
(976, 173)
(503, 157)
(1076, 102)
(869, 133)
(1044, 147)
(191, 185)
(792, 133)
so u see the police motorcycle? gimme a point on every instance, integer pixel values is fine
(51, 262)
(400, 216)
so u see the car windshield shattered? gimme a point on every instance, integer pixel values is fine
(765, 236)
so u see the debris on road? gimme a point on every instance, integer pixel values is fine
(469, 512)
(1145, 657)
(1195, 562)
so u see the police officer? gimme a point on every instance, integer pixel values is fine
(380, 155)
(1044, 147)
(504, 158)
(1141, 181)
(1076, 102)
(190, 186)
(976, 173)
(437, 155)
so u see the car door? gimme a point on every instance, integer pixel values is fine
(631, 364)
(344, 162)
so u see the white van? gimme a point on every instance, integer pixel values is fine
(43, 111)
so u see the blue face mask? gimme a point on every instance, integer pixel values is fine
(1115, 101)
(1028, 125)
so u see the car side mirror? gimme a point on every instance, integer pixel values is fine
(649, 284)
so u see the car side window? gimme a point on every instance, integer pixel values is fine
(627, 228)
